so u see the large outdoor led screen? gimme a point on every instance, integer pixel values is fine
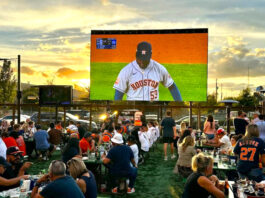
(149, 65)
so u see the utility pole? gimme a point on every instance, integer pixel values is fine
(221, 91)
(18, 89)
(216, 90)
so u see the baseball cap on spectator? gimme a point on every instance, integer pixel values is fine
(13, 150)
(4, 162)
(144, 51)
(87, 134)
(220, 131)
(117, 138)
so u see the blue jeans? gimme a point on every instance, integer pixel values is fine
(254, 174)
(131, 175)
(210, 136)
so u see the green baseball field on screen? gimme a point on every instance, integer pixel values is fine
(191, 79)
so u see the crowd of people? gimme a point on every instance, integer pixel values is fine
(128, 147)
(247, 144)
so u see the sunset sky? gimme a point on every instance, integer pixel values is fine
(53, 37)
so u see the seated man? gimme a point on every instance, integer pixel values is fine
(55, 135)
(119, 158)
(6, 184)
(60, 186)
(16, 168)
(222, 141)
(86, 143)
(41, 138)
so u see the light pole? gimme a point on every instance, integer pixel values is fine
(228, 104)
(18, 85)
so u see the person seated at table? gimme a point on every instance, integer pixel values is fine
(2, 148)
(72, 128)
(32, 129)
(152, 132)
(6, 184)
(106, 136)
(200, 183)
(84, 178)
(223, 141)
(16, 168)
(143, 139)
(249, 149)
(55, 135)
(41, 138)
(209, 127)
(185, 134)
(71, 150)
(58, 126)
(119, 159)
(9, 141)
(132, 144)
(186, 151)
(87, 143)
(60, 184)
(97, 136)
(233, 140)
(19, 139)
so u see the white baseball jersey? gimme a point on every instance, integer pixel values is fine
(142, 84)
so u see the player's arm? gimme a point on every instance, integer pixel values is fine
(175, 92)
(118, 95)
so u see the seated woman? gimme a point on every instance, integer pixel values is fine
(234, 139)
(199, 184)
(186, 151)
(71, 150)
(84, 178)
(249, 149)
(185, 134)
(209, 127)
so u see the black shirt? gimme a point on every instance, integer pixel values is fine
(193, 189)
(240, 126)
(9, 174)
(168, 124)
(81, 132)
(91, 186)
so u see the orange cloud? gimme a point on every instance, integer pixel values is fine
(27, 70)
(65, 72)
(44, 75)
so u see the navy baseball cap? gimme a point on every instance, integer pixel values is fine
(13, 150)
(144, 51)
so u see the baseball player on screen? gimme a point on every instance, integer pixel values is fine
(140, 79)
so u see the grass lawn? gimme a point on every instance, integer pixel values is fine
(155, 177)
(191, 79)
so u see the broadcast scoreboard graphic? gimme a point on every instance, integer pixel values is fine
(183, 52)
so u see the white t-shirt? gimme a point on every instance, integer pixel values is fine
(157, 132)
(135, 151)
(2, 148)
(143, 138)
(149, 135)
(227, 144)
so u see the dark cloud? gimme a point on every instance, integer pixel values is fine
(236, 60)
(65, 72)
(27, 70)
